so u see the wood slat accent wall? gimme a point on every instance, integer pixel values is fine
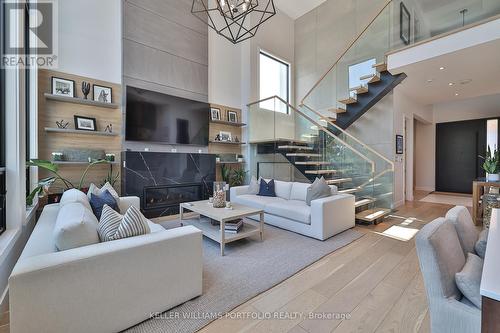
(216, 128)
(50, 111)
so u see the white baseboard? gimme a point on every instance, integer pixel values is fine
(425, 188)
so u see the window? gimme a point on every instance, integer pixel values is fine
(359, 70)
(274, 81)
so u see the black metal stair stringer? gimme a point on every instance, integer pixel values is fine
(366, 101)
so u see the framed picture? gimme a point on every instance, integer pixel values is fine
(232, 116)
(85, 123)
(63, 87)
(226, 136)
(399, 144)
(404, 24)
(215, 113)
(102, 94)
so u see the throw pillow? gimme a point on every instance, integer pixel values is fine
(254, 187)
(469, 279)
(93, 189)
(114, 226)
(481, 243)
(97, 202)
(319, 189)
(266, 189)
(75, 226)
(74, 195)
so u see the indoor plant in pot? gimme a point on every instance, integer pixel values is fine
(492, 164)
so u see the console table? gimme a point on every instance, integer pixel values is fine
(478, 187)
(490, 281)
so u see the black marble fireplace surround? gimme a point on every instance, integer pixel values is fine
(164, 180)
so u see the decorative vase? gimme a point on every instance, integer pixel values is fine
(493, 177)
(219, 194)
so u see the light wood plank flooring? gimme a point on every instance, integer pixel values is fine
(375, 282)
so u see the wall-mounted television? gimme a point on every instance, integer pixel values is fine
(159, 118)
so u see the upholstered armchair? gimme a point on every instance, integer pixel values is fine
(441, 256)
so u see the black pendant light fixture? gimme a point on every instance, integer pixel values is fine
(236, 20)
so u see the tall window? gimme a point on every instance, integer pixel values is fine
(274, 81)
(359, 70)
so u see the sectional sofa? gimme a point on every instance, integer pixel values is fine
(288, 210)
(102, 287)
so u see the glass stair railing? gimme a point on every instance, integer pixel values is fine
(295, 146)
(364, 59)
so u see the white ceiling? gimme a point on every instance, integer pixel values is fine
(479, 64)
(297, 8)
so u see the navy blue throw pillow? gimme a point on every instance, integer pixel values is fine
(97, 203)
(267, 189)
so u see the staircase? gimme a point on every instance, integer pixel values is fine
(364, 97)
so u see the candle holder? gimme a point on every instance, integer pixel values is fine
(219, 195)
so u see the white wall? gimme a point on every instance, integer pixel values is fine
(424, 156)
(406, 110)
(474, 108)
(90, 42)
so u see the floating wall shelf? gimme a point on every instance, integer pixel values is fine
(223, 122)
(79, 163)
(74, 131)
(82, 101)
(226, 143)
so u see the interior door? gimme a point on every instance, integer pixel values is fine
(458, 145)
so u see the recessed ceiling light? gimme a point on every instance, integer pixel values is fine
(451, 83)
(429, 81)
(442, 68)
(456, 94)
(466, 81)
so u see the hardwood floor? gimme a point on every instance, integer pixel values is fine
(372, 285)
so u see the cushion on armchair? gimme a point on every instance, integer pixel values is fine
(466, 230)
(74, 195)
(469, 279)
(114, 226)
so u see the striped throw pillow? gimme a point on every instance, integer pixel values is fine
(113, 226)
(133, 224)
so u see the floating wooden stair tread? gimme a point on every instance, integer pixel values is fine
(372, 78)
(363, 202)
(303, 155)
(371, 215)
(349, 190)
(313, 163)
(360, 89)
(380, 67)
(320, 172)
(338, 181)
(337, 111)
(296, 147)
(347, 101)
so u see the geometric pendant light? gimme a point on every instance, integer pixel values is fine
(236, 20)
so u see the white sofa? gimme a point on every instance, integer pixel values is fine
(288, 210)
(104, 287)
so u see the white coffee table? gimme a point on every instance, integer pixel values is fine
(222, 215)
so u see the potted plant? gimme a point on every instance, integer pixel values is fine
(492, 164)
(44, 184)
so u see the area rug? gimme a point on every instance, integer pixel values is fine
(446, 199)
(249, 268)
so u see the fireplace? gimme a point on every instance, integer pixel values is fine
(164, 180)
(170, 196)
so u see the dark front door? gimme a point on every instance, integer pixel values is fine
(458, 145)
